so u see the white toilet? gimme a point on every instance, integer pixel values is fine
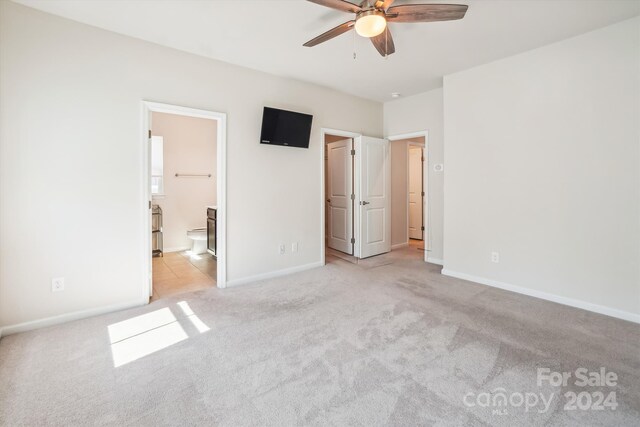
(199, 238)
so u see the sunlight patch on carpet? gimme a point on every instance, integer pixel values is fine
(142, 335)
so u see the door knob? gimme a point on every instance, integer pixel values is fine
(364, 203)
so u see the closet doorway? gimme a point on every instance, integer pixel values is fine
(357, 195)
(410, 195)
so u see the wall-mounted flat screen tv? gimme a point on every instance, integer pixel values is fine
(288, 128)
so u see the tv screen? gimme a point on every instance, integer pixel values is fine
(281, 127)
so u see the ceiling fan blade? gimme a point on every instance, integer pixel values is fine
(384, 43)
(426, 12)
(334, 32)
(342, 5)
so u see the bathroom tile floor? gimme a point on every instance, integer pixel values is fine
(178, 272)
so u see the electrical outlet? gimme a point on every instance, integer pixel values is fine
(282, 248)
(294, 247)
(57, 284)
(495, 257)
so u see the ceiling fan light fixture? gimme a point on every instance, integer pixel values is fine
(370, 23)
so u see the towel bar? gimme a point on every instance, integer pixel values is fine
(178, 175)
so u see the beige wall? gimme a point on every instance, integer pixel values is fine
(71, 157)
(190, 147)
(400, 190)
(418, 113)
(542, 159)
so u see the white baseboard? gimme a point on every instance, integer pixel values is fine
(273, 274)
(608, 311)
(399, 245)
(68, 317)
(433, 260)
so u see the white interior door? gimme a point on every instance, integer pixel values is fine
(339, 190)
(374, 177)
(415, 193)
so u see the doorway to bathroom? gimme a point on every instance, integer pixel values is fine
(184, 170)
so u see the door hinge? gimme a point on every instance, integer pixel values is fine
(423, 194)
(149, 204)
(353, 240)
(422, 228)
(149, 133)
(353, 152)
(422, 159)
(353, 197)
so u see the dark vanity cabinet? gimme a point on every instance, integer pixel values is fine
(211, 230)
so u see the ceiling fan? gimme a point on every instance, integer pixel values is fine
(372, 17)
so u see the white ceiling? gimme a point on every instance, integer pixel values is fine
(267, 35)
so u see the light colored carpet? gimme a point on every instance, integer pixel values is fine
(398, 344)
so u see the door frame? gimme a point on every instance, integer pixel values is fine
(426, 237)
(323, 199)
(346, 246)
(148, 107)
(421, 145)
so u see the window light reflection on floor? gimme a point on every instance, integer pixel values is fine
(193, 255)
(143, 335)
(199, 324)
